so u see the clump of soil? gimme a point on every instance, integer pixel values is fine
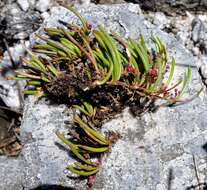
(74, 86)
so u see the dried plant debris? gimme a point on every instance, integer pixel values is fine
(10, 120)
(99, 74)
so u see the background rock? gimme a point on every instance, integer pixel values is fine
(42, 161)
(24, 4)
(43, 5)
(150, 146)
(172, 5)
(18, 24)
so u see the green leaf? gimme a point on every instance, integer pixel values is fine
(143, 55)
(44, 47)
(30, 92)
(86, 167)
(34, 83)
(92, 133)
(159, 75)
(81, 109)
(86, 108)
(54, 34)
(107, 76)
(157, 43)
(84, 23)
(36, 62)
(99, 39)
(89, 108)
(143, 44)
(27, 75)
(49, 53)
(53, 70)
(100, 58)
(185, 83)
(54, 44)
(74, 148)
(45, 79)
(54, 30)
(90, 51)
(132, 48)
(20, 78)
(117, 70)
(74, 50)
(161, 49)
(171, 71)
(82, 172)
(94, 150)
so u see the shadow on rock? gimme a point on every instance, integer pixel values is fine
(201, 186)
(205, 147)
(52, 187)
(170, 179)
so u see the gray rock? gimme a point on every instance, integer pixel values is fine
(18, 24)
(16, 51)
(24, 4)
(43, 5)
(9, 90)
(45, 15)
(172, 5)
(150, 146)
(11, 174)
(32, 3)
(197, 29)
(85, 2)
(160, 20)
(43, 159)
(9, 94)
(204, 71)
(199, 34)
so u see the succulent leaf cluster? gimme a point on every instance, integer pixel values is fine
(98, 73)
(92, 143)
(83, 58)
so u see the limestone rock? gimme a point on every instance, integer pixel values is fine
(170, 5)
(24, 4)
(43, 5)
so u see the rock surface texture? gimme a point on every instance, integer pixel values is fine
(176, 5)
(153, 149)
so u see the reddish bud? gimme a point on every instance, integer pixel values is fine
(91, 180)
(130, 69)
(153, 73)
